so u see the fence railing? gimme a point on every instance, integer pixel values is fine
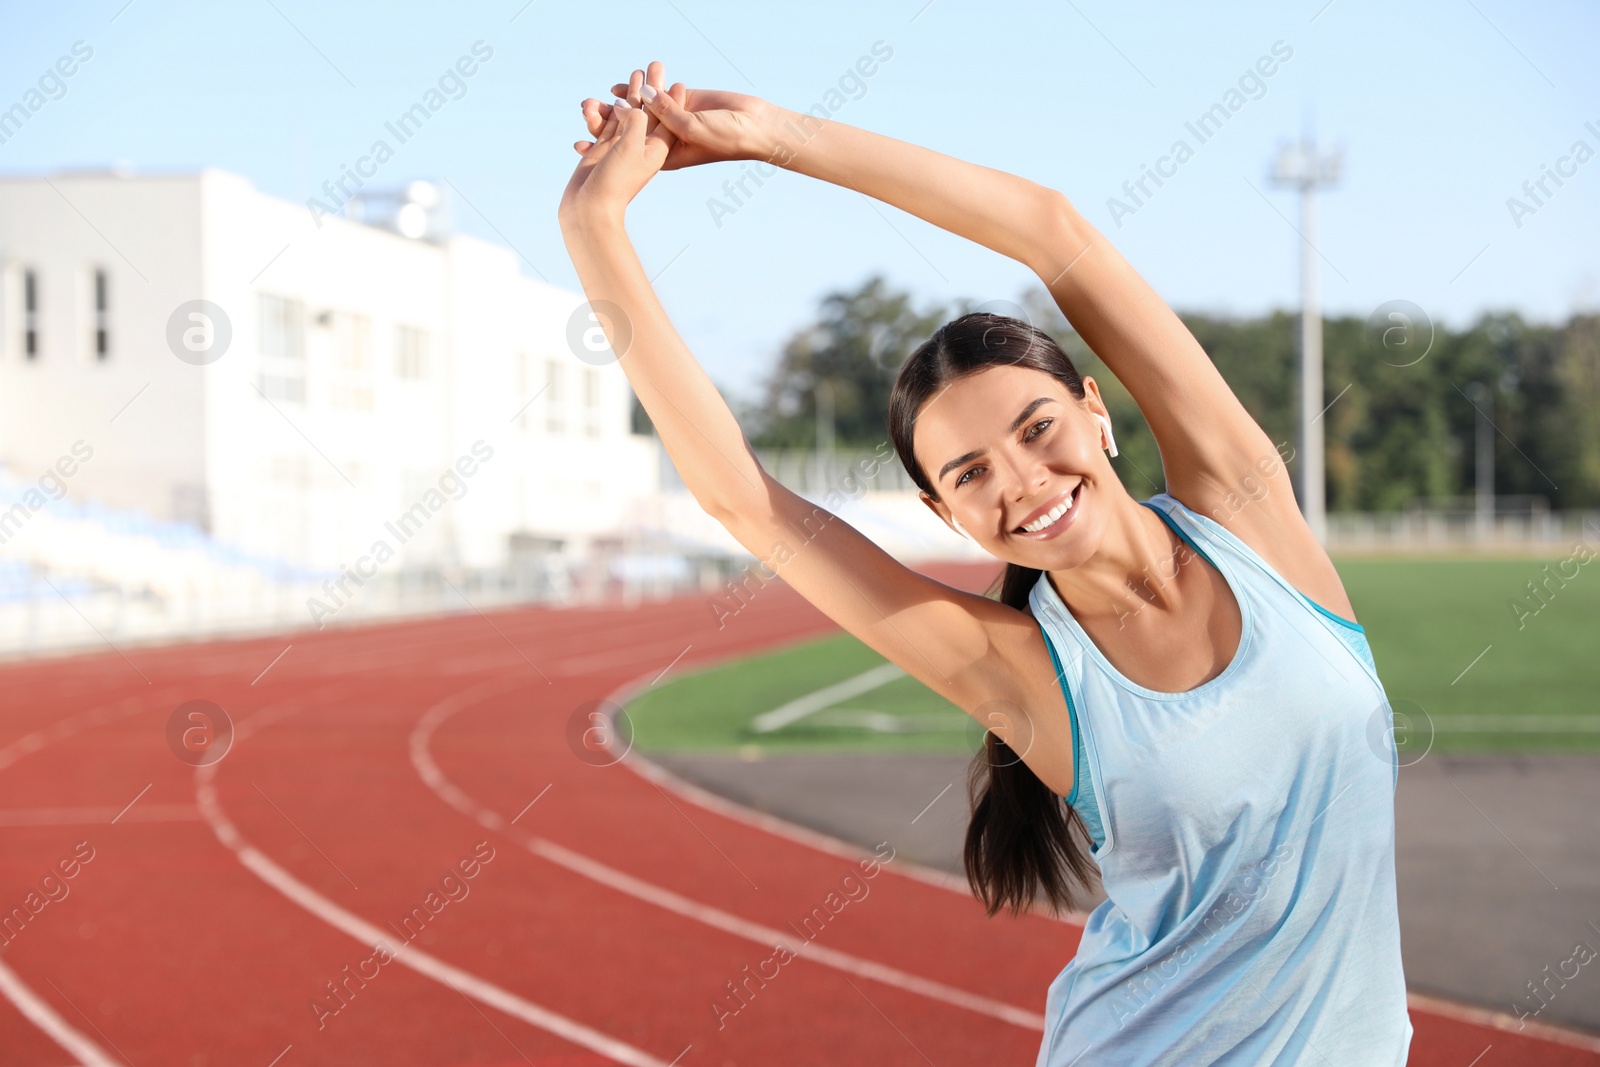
(109, 617)
(807, 471)
(1446, 530)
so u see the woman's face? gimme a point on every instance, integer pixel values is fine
(1009, 446)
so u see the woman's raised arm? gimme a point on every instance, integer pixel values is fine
(963, 646)
(1214, 454)
(1204, 433)
(1208, 440)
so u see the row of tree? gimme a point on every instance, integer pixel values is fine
(1400, 427)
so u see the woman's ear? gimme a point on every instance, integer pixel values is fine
(938, 509)
(1102, 416)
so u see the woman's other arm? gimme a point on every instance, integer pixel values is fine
(1216, 458)
(961, 645)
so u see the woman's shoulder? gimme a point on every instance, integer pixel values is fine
(1280, 543)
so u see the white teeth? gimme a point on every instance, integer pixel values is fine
(1048, 519)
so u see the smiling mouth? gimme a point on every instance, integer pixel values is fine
(1056, 514)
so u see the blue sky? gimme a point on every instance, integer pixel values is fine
(1443, 109)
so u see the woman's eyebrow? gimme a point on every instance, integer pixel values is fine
(1018, 421)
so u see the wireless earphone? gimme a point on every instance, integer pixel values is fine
(1111, 440)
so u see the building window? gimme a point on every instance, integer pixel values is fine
(591, 401)
(411, 352)
(102, 326)
(282, 371)
(351, 386)
(30, 314)
(552, 395)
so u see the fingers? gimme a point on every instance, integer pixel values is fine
(595, 114)
(659, 130)
(653, 80)
(603, 119)
(609, 130)
(636, 127)
(631, 122)
(667, 107)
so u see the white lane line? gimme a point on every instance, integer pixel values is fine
(770, 936)
(1500, 1020)
(30, 743)
(86, 816)
(409, 955)
(766, 936)
(24, 999)
(42, 1015)
(800, 707)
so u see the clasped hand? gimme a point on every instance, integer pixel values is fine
(655, 130)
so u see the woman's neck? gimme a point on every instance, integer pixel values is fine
(1133, 568)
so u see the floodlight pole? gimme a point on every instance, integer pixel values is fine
(1483, 512)
(1298, 166)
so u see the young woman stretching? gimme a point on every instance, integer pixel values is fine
(1184, 671)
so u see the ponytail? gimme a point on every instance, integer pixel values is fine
(1020, 845)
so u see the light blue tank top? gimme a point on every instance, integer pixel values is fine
(1244, 832)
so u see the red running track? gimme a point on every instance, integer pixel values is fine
(413, 784)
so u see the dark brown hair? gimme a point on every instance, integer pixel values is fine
(1019, 842)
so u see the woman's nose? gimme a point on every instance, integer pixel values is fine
(1025, 475)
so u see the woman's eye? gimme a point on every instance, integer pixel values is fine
(965, 476)
(1038, 426)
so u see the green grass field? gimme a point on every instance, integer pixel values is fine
(1428, 621)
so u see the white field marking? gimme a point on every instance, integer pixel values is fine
(410, 956)
(800, 707)
(766, 936)
(883, 722)
(1518, 724)
(87, 816)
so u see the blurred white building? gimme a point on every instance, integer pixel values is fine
(342, 395)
